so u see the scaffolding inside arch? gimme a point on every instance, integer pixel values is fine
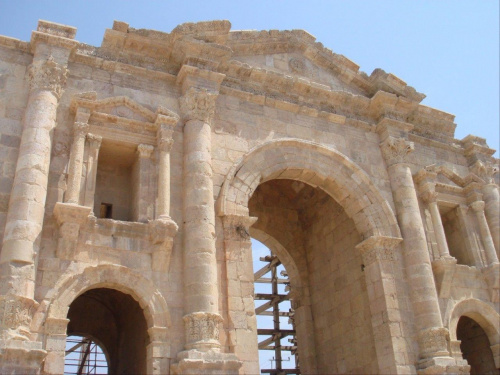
(271, 307)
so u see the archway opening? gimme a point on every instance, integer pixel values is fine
(84, 356)
(475, 347)
(114, 321)
(328, 289)
(274, 312)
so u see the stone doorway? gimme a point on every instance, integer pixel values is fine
(475, 347)
(116, 321)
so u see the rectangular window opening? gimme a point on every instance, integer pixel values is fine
(106, 211)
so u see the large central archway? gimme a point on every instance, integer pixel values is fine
(375, 245)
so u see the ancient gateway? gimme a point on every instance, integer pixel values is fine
(134, 175)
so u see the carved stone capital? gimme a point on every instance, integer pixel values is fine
(16, 313)
(198, 104)
(378, 248)
(477, 206)
(94, 140)
(80, 129)
(145, 151)
(47, 75)
(164, 137)
(434, 342)
(202, 330)
(396, 150)
(237, 227)
(485, 171)
(429, 196)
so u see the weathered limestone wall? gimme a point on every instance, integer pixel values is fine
(340, 306)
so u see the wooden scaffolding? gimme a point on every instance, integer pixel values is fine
(272, 308)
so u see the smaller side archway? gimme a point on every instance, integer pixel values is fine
(112, 277)
(483, 315)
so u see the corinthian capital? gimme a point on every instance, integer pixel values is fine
(198, 104)
(485, 170)
(395, 150)
(47, 75)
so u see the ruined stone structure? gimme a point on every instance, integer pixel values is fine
(134, 174)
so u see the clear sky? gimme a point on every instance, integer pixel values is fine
(446, 49)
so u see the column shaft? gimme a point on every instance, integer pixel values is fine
(94, 145)
(199, 220)
(164, 183)
(491, 198)
(29, 190)
(76, 163)
(437, 224)
(489, 247)
(431, 335)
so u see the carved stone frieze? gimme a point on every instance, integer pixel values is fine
(396, 150)
(198, 104)
(47, 75)
(202, 328)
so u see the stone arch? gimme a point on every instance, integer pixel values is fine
(318, 166)
(485, 315)
(121, 278)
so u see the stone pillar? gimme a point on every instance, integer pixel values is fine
(380, 258)
(142, 198)
(426, 180)
(489, 247)
(165, 141)
(51, 46)
(242, 324)
(202, 319)
(94, 145)
(200, 268)
(432, 337)
(491, 198)
(80, 130)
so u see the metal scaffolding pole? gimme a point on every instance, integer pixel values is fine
(273, 302)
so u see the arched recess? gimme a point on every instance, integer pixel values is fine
(318, 166)
(485, 315)
(123, 279)
(351, 187)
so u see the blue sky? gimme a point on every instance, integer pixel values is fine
(447, 49)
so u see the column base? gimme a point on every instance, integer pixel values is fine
(211, 362)
(442, 365)
(21, 357)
